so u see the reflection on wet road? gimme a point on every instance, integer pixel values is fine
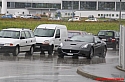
(44, 68)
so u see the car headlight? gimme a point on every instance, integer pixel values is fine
(8, 44)
(61, 44)
(84, 46)
(46, 42)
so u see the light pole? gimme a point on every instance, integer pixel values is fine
(72, 10)
(120, 51)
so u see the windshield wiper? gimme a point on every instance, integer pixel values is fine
(7, 37)
(38, 35)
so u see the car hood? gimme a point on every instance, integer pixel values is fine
(73, 45)
(7, 40)
(42, 39)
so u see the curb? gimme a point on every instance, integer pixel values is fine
(93, 77)
(85, 74)
(119, 68)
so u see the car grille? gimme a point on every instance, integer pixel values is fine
(70, 51)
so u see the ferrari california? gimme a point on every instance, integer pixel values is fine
(85, 46)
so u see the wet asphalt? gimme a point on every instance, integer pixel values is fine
(47, 68)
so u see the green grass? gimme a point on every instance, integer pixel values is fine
(92, 27)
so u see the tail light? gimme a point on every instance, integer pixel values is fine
(113, 40)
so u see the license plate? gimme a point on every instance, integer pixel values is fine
(69, 54)
(37, 46)
(104, 39)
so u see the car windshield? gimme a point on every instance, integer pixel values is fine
(9, 34)
(43, 32)
(82, 38)
(71, 34)
(105, 33)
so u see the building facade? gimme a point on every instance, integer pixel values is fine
(82, 8)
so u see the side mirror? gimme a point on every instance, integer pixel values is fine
(57, 36)
(22, 37)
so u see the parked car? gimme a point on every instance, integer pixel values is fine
(55, 18)
(36, 17)
(26, 16)
(16, 40)
(111, 37)
(49, 36)
(92, 19)
(7, 16)
(74, 19)
(86, 46)
(72, 33)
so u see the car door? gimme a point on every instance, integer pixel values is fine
(97, 45)
(57, 38)
(23, 42)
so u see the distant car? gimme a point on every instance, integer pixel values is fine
(74, 19)
(16, 40)
(36, 17)
(85, 46)
(54, 18)
(7, 16)
(92, 19)
(111, 37)
(72, 33)
(26, 16)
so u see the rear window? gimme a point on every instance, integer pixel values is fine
(105, 33)
(71, 34)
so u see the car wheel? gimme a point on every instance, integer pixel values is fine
(61, 55)
(50, 51)
(91, 54)
(103, 54)
(16, 51)
(31, 51)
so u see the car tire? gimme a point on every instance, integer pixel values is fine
(16, 51)
(103, 54)
(91, 54)
(61, 55)
(31, 51)
(50, 51)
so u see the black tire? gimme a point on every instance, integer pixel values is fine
(50, 51)
(16, 51)
(103, 54)
(91, 54)
(31, 51)
(61, 55)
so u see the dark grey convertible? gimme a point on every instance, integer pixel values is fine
(86, 46)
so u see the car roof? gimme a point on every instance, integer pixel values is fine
(108, 30)
(16, 29)
(76, 31)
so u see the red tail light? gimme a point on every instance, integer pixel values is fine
(113, 40)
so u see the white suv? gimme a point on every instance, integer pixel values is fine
(16, 40)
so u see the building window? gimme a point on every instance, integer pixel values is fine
(98, 14)
(65, 13)
(112, 15)
(87, 5)
(117, 15)
(106, 6)
(70, 5)
(118, 6)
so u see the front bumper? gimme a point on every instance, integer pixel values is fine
(7, 49)
(71, 52)
(42, 47)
